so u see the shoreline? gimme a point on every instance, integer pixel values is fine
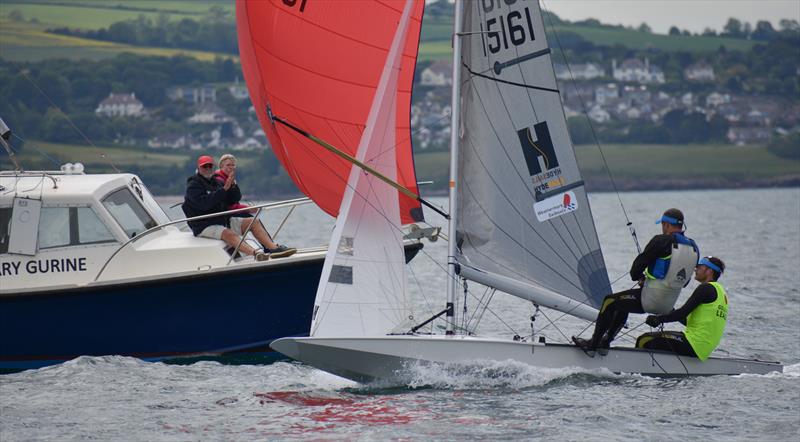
(594, 185)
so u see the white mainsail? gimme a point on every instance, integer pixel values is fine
(523, 212)
(362, 288)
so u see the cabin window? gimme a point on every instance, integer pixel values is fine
(5, 228)
(129, 212)
(70, 226)
(92, 230)
(54, 227)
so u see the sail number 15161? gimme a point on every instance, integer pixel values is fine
(512, 29)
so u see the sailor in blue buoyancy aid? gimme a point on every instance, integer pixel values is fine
(664, 267)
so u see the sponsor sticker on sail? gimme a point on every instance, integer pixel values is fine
(555, 206)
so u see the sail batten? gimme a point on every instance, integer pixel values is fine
(521, 214)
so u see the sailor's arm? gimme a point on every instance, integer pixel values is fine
(654, 249)
(703, 294)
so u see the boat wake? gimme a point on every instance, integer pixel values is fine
(483, 374)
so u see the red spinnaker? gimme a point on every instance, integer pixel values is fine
(316, 64)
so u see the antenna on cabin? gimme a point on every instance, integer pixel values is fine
(5, 134)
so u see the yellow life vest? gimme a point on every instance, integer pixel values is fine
(706, 323)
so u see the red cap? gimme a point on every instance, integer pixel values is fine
(205, 159)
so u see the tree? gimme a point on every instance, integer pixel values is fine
(708, 32)
(580, 130)
(644, 27)
(674, 31)
(123, 32)
(764, 31)
(733, 29)
(786, 147)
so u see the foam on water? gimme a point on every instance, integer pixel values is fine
(483, 374)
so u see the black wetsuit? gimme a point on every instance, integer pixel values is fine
(674, 341)
(615, 307)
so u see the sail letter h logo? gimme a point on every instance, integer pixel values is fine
(540, 155)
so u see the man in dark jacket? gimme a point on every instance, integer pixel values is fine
(205, 196)
(615, 307)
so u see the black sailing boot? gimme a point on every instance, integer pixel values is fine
(586, 345)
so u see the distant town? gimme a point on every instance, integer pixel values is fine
(736, 87)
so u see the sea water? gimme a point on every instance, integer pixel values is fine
(756, 233)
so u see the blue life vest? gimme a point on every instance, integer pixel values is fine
(659, 269)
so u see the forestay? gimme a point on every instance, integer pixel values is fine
(523, 212)
(362, 288)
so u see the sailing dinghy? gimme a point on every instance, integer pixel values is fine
(517, 204)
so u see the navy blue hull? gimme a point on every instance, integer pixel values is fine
(235, 314)
(239, 311)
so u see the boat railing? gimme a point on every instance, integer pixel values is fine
(258, 207)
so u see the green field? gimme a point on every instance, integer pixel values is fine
(641, 163)
(30, 42)
(96, 14)
(435, 40)
(685, 161)
(39, 154)
(640, 40)
(33, 154)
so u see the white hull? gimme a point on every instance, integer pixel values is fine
(391, 357)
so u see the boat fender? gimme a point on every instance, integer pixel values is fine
(659, 295)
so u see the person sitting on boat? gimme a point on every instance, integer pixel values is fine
(662, 270)
(227, 167)
(704, 314)
(205, 195)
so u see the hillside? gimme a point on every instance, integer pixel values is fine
(27, 40)
(24, 27)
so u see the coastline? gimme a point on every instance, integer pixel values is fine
(600, 185)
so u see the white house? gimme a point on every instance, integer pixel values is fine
(749, 135)
(606, 92)
(439, 73)
(209, 114)
(636, 95)
(699, 72)
(633, 70)
(238, 90)
(579, 71)
(598, 114)
(195, 94)
(715, 99)
(120, 105)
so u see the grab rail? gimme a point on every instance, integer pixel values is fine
(277, 205)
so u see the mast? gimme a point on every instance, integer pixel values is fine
(454, 122)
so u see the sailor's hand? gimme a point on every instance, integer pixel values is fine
(641, 282)
(228, 182)
(653, 321)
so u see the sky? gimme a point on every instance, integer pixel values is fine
(694, 15)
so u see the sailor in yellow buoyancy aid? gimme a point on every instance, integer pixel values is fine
(705, 314)
(662, 270)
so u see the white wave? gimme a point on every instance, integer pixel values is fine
(486, 374)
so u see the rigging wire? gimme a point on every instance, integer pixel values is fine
(629, 224)
(64, 114)
(41, 152)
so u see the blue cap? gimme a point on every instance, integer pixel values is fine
(670, 220)
(706, 262)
